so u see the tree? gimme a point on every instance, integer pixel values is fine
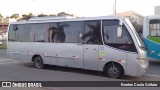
(64, 14)
(52, 14)
(42, 15)
(26, 17)
(30, 15)
(1, 16)
(136, 25)
(15, 16)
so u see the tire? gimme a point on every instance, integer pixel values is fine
(38, 62)
(113, 70)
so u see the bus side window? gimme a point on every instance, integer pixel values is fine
(38, 32)
(92, 33)
(23, 33)
(72, 31)
(12, 32)
(57, 32)
(154, 27)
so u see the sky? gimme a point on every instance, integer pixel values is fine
(77, 7)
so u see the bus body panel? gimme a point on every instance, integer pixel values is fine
(19, 51)
(106, 55)
(70, 55)
(131, 64)
(91, 57)
(152, 48)
(51, 53)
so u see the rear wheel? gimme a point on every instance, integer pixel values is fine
(38, 62)
(113, 70)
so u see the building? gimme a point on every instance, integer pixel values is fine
(157, 10)
(4, 22)
(3, 30)
(134, 16)
(3, 27)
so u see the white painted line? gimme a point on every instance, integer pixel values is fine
(3, 58)
(7, 60)
(152, 75)
(7, 63)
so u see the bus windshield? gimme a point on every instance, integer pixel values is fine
(139, 40)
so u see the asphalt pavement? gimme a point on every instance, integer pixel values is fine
(13, 70)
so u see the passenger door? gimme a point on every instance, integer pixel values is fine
(70, 48)
(91, 57)
(92, 40)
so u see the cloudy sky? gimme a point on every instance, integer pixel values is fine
(77, 7)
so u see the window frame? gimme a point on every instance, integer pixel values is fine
(84, 32)
(33, 38)
(157, 28)
(132, 49)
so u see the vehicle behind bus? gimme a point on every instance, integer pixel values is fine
(109, 44)
(151, 36)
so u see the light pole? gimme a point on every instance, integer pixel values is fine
(115, 7)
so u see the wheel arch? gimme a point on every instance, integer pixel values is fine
(34, 56)
(116, 63)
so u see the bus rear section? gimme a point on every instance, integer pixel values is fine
(108, 44)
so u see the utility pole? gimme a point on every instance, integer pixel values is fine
(115, 8)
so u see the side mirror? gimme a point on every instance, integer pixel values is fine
(120, 23)
(119, 32)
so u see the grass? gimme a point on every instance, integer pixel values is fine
(3, 46)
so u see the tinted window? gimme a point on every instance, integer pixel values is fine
(65, 32)
(92, 32)
(23, 33)
(19, 33)
(73, 31)
(110, 36)
(39, 32)
(12, 32)
(56, 32)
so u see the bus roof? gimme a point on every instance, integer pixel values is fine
(63, 19)
(152, 17)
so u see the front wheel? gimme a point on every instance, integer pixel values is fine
(38, 62)
(113, 70)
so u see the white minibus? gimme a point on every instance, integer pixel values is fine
(107, 43)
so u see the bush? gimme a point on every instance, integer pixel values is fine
(3, 46)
